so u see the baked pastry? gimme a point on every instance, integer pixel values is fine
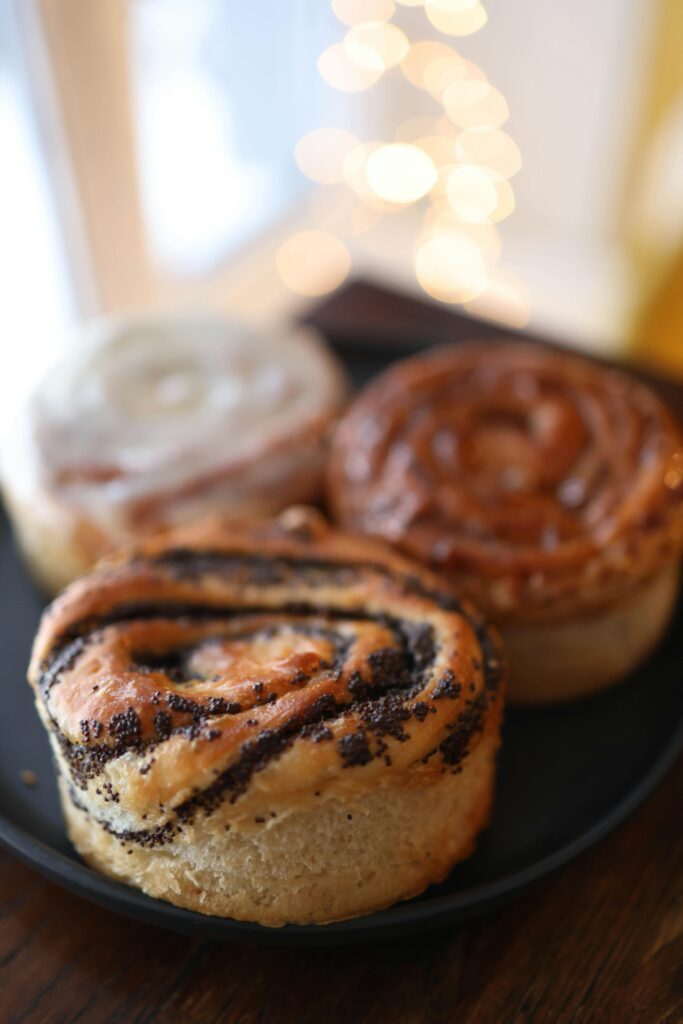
(276, 723)
(156, 420)
(545, 486)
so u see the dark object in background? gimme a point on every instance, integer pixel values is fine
(369, 324)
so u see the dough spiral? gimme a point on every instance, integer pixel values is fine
(532, 477)
(224, 686)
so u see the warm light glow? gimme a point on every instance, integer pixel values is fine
(338, 211)
(320, 154)
(440, 148)
(454, 6)
(439, 193)
(312, 262)
(421, 56)
(354, 171)
(376, 46)
(504, 299)
(418, 127)
(455, 22)
(442, 73)
(339, 71)
(352, 12)
(451, 268)
(486, 237)
(434, 66)
(355, 175)
(458, 158)
(472, 194)
(479, 196)
(475, 104)
(489, 147)
(400, 173)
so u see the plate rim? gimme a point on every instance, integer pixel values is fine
(97, 888)
(410, 916)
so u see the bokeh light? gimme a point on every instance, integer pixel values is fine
(441, 74)
(440, 148)
(320, 155)
(355, 175)
(489, 147)
(439, 193)
(312, 262)
(459, 159)
(478, 195)
(336, 209)
(423, 55)
(473, 103)
(400, 173)
(504, 299)
(417, 127)
(454, 6)
(454, 19)
(439, 222)
(451, 268)
(472, 194)
(352, 12)
(338, 69)
(376, 46)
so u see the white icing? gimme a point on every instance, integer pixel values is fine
(149, 406)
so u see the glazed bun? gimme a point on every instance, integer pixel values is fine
(544, 486)
(154, 421)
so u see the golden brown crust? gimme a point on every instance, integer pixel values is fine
(328, 861)
(559, 660)
(540, 482)
(220, 674)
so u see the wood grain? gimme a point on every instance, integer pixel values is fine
(601, 941)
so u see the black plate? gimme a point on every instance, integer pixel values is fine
(567, 777)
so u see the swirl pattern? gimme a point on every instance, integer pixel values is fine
(521, 470)
(244, 666)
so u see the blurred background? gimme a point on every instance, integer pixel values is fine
(521, 161)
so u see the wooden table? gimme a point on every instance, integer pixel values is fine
(601, 942)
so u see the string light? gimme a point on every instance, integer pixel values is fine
(353, 12)
(421, 57)
(376, 46)
(400, 173)
(474, 103)
(417, 127)
(320, 155)
(451, 268)
(489, 147)
(454, 6)
(341, 72)
(505, 299)
(479, 195)
(459, 160)
(312, 262)
(456, 22)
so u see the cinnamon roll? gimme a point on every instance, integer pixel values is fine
(545, 486)
(156, 420)
(277, 722)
